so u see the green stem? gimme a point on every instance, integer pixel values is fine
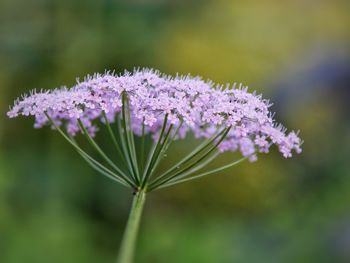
(189, 157)
(127, 247)
(198, 167)
(162, 150)
(114, 139)
(123, 144)
(161, 180)
(129, 137)
(103, 155)
(155, 153)
(89, 158)
(202, 174)
(99, 167)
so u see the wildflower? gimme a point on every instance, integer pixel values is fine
(167, 108)
(200, 106)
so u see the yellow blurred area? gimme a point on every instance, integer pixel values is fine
(251, 41)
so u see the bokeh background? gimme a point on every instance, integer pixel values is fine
(54, 208)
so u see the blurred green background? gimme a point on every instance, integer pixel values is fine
(54, 208)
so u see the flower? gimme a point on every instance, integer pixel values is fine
(199, 106)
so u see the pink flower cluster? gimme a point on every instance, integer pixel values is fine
(200, 106)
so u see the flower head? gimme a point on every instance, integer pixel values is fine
(200, 107)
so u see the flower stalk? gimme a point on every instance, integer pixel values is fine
(126, 252)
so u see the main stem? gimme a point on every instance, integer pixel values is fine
(129, 238)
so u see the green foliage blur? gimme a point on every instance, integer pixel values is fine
(54, 208)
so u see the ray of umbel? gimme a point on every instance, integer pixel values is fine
(150, 105)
